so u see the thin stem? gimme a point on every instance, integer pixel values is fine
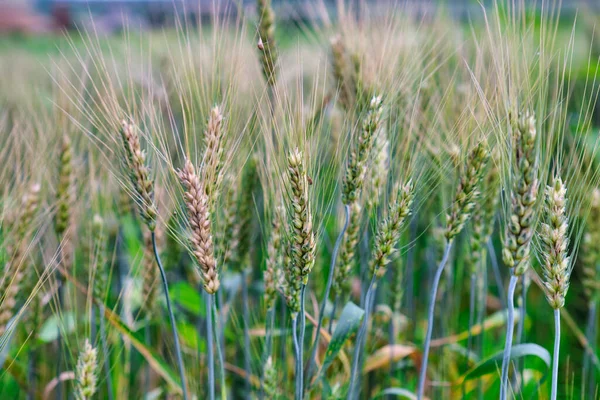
(336, 248)
(588, 375)
(246, 317)
(283, 341)
(219, 351)
(298, 368)
(472, 295)
(555, 354)
(434, 288)
(268, 350)
(147, 340)
(509, 336)
(31, 374)
(410, 272)
(301, 340)
(103, 342)
(59, 386)
(335, 304)
(222, 317)
(520, 327)
(359, 342)
(482, 292)
(93, 329)
(209, 346)
(496, 270)
(171, 317)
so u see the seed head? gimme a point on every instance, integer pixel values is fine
(345, 86)
(270, 380)
(100, 275)
(379, 170)
(590, 249)
(86, 372)
(14, 271)
(266, 40)
(199, 219)
(467, 191)
(64, 193)
(139, 173)
(482, 220)
(274, 259)
(359, 155)
(520, 226)
(213, 155)
(245, 212)
(556, 265)
(342, 279)
(390, 228)
(229, 235)
(302, 236)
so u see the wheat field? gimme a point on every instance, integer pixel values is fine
(376, 201)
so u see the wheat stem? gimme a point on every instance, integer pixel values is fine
(219, 351)
(147, 342)
(509, 335)
(108, 378)
(246, 318)
(472, 294)
(31, 374)
(482, 292)
(336, 248)
(209, 346)
(555, 354)
(434, 288)
(171, 317)
(359, 341)
(520, 327)
(590, 336)
(298, 366)
(59, 344)
(496, 270)
(335, 304)
(301, 340)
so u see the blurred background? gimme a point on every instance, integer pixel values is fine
(40, 17)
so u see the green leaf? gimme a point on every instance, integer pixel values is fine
(187, 297)
(347, 325)
(49, 331)
(493, 363)
(398, 392)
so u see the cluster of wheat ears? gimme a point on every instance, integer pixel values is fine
(213, 212)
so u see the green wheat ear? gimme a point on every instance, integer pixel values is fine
(85, 373)
(467, 191)
(519, 231)
(556, 265)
